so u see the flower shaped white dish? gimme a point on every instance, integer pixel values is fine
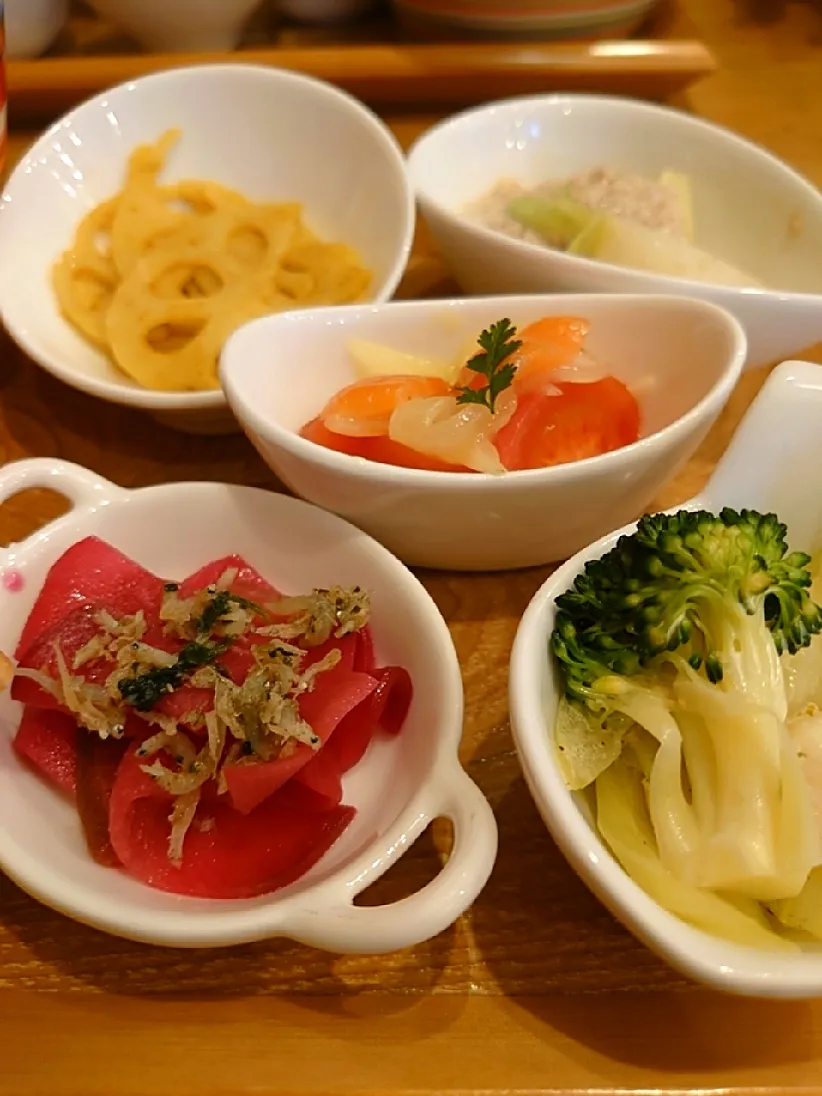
(269, 133)
(278, 373)
(398, 788)
(774, 463)
(750, 208)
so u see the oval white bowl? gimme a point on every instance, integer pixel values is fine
(750, 208)
(785, 476)
(278, 373)
(270, 133)
(398, 788)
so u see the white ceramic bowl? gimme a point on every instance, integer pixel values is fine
(689, 354)
(180, 25)
(398, 788)
(32, 25)
(749, 207)
(518, 18)
(273, 134)
(785, 476)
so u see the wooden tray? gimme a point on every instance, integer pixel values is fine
(372, 60)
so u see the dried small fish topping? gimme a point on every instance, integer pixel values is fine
(257, 720)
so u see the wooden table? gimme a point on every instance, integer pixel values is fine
(536, 989)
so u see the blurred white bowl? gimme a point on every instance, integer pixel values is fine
(32, 25)
(278, 373)
(175, 26)
(750, 208)
(398, 788)
(520, 18)
(272, 134)
(784, 476)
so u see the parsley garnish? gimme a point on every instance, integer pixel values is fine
(219, 605)
(147, 689)
(498, 344)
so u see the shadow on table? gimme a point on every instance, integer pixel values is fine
(569, 966)
(56, 953)
(761, 11)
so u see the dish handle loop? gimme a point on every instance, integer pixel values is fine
(376, 930)
(77, 484)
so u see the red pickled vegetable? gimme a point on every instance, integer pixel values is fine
(91, 572)
(270, 826)
(227, 854)
(48, 740)
(98, 761)
(336, 692)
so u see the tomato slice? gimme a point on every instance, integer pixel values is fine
(381, 450)
(583, 420)
(546, 344)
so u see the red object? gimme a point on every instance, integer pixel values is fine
(386, 707)
(91, 572)
(248, 583)
(226, 854)
(71, 633)
(584, 420)
(98, 762)
(49, 741)
(337, 692)
(269, 828)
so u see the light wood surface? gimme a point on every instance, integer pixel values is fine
(536, 989)
(378, 63)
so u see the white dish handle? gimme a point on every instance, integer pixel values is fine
(80, 486)
(374, 930)
(778, 439)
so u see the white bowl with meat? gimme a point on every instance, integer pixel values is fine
(595, 194)
(230, 713)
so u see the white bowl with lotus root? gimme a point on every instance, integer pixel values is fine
(157, 217)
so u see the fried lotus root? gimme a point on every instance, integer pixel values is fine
(173, 342)
(85, 277)
(161, 275)
(316, 273)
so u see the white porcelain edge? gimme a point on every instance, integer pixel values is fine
(323, 914)
(725, 966)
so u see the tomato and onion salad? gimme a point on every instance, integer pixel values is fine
(526, 399)
(202, 728)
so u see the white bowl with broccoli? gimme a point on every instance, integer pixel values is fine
(596, 194)
(666, 701)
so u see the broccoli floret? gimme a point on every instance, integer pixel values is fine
(677, 634)
(678, 584)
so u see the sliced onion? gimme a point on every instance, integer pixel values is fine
(582, 370)
(181, 817)
(457, 433)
